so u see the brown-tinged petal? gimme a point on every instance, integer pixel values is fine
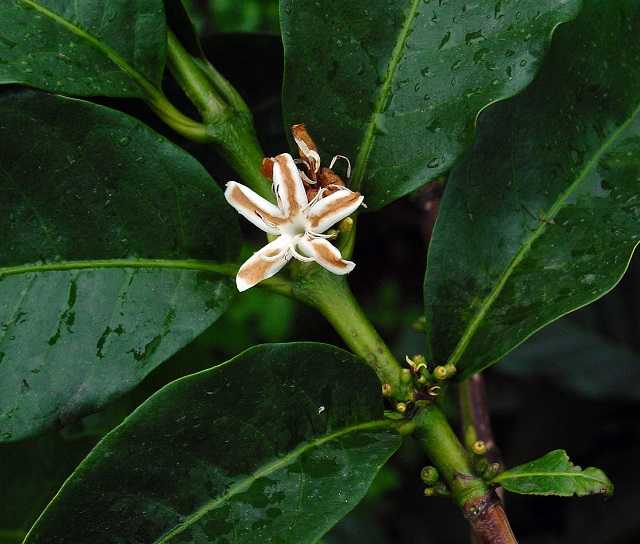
(288, 185)
(306, 146)
(333, 208)
(264, 263)
(326, 255)
(267, 167)
(256, 209)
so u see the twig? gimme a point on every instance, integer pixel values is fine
(476, 421)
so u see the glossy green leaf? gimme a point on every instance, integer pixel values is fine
(108, 233)
(396, 86)
(542, 216)
(275, 445)
(85, 48)
(554, 474)
(577, 360)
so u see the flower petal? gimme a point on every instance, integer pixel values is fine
(262, 264)
(288, 185)
(256, 209)
(307, 147)
(326, 255)
(333, 208)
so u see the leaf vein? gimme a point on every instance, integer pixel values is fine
(369, 135)
(266, 470)
(487, 303)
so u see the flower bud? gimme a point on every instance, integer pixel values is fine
(440, 373)
(405, 375)
(479, 447)
(429, 475)
(451, 369)
(420, 324)
(346, 225)
(419, 360)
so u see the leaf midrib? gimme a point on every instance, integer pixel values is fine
(266, 470)
(113, 55)
(179, 264)
(547, 475)
(383, 96)
(476, 322)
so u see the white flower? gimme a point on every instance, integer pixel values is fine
(297, 222)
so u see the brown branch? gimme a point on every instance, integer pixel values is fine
(489, 521)
(473, 401)
(476, 425)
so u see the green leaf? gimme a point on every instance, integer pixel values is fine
(578, 360)
(108, 233)
(275, 445)
(397, 86)
(554, 474)
(87, 48)
(542, 216)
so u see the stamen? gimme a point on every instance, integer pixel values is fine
(315, 199)
(335, 159)
(307, 178)
(311, 234)
(298, 255)
(338, 187)
(267, 223)
(278, 256)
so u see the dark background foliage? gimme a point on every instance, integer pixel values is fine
(576, 385)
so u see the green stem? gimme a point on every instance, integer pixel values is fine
(179, 122)
(193, 81)
(478, 502)
(466, 414)
(450, 457)
(240, 148)
(330, 294)
(228, 123)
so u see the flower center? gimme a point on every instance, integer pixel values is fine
(295, 227)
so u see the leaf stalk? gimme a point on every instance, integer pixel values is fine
(226, 120)
(331, 295)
